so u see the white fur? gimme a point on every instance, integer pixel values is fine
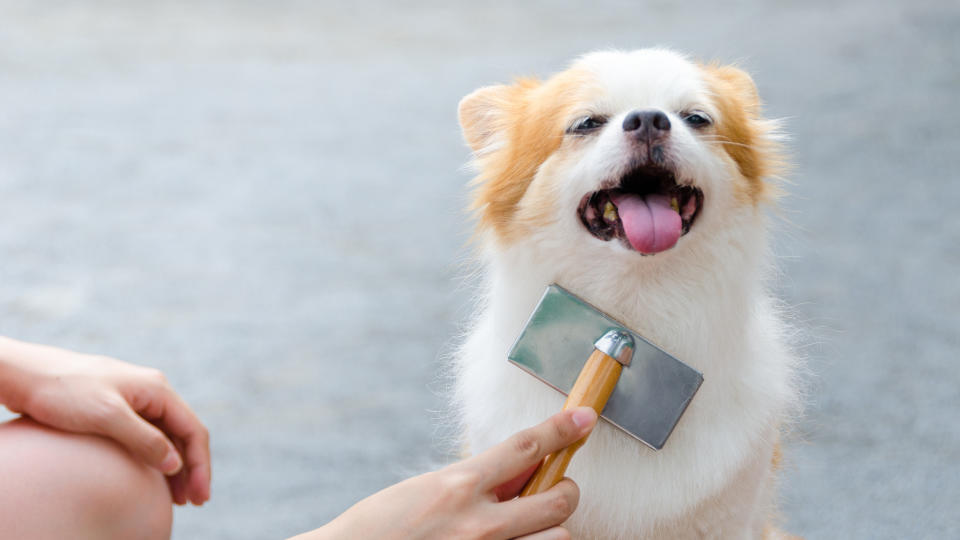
(703, 301)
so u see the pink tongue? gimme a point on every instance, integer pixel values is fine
(651, 224)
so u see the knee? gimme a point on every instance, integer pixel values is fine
(130, 500)
(102, 488)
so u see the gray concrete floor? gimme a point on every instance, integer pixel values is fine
(239, 192)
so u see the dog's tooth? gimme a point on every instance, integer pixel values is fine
(610, 212)
(674, 204)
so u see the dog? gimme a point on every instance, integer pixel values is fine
(637, 180)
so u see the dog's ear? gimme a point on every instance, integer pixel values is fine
(755, 141)
(736, 83)
(481, 114)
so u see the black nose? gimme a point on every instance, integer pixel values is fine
(647, 124)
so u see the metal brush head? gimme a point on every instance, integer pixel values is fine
(654, 388)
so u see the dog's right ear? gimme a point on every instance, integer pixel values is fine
(482, 115)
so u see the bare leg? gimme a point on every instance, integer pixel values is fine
(63, 485)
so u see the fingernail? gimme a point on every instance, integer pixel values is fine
(171, 464)
(583, 417)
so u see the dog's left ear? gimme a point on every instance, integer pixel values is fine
(481, 114)
(756, 141)
(738, 84)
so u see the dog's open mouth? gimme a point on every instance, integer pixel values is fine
(648, 210)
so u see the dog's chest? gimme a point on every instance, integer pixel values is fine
(709, 447)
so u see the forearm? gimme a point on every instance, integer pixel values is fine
(13, 375)
(381, 515)
(338, 529)
(327, 532)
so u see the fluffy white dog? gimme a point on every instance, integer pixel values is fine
(636, 180)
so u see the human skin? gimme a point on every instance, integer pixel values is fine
(69, 485)
(474, 498)
(101, 451)
(89, 456)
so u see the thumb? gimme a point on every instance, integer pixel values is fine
(145, 441)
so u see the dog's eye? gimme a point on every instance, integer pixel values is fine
(587, 124)
(697, 119)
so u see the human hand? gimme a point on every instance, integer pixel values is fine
(130, 404)
(475, 498)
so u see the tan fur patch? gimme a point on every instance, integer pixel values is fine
(513, 130)
(742, 132)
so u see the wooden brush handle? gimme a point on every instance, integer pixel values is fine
(594, 385)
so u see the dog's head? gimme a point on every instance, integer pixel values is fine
(631, 151)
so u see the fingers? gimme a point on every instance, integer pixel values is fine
(511, 488)
(511, 458)
(153, 398)
(178, 482)
(144, 440)
(183, 426)
(542, 511)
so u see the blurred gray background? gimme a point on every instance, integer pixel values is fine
(239, 192)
